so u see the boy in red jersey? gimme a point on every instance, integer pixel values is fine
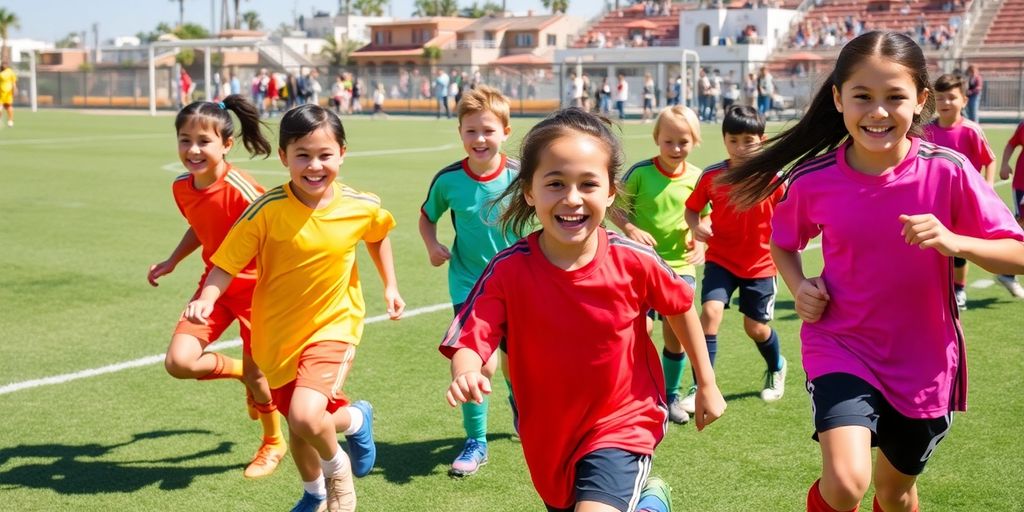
(738, 255)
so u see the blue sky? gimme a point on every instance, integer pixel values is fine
(50, 20)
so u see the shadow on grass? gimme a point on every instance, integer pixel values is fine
(73, 469)
(401, 462)
(740, 396)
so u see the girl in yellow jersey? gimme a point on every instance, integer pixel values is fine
(307, 309)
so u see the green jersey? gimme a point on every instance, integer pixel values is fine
(470, 199)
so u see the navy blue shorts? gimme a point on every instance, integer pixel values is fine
(611, 476)
(842, 400)
(757, 296)
(1018, 202)
(690, 280)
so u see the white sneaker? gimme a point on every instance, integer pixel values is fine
(1011, 285)
(689, 402)
(961, 299)
(10, 123)
(774, 384)
(676, 413)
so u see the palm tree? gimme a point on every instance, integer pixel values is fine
(556, 6)
(238, 18)
(8, 20)
(337, 51)
(252, 20)
(436, 8)
(181, 11)
(371, 7)
(344, 7)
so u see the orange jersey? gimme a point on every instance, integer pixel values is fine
(212, 211)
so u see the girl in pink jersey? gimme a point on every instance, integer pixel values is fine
(211, 195)
(892, 212)
(588, 383)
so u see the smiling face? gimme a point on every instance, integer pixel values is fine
(878, 102)
(949, 104)
(482, 135)
(202, 151)
(570, 192)
(675, 140)
(313, 161)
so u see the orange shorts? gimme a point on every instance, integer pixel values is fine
(323, 367)
(236, 303)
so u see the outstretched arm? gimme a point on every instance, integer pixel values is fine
(999, 256)
(384, 260)
(188, 244)
(468, 382)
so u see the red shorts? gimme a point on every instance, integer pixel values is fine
(235, 303)
(323, 367)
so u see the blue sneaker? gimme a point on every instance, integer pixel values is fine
(473, 455)
(360, 445)
(310, 503)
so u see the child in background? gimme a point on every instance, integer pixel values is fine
(469, 188)
(1016, 140)
(378, 99)
(892, 211)
(308, 304)
(211, 196)
(955, 132)
(738, 255)
(586, 375)
(656, 192)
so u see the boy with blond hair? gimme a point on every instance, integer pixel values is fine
(657, 189)
(469, 188)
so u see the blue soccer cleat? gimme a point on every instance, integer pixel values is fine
(310, 503)
(360, 445)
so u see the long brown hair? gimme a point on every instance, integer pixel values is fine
(217, 114)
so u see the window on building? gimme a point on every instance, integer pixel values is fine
(552, 40)
(524, 40)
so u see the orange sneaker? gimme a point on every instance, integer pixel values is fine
(250, 405)
(266, 460)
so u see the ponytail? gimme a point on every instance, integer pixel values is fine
(248, 117)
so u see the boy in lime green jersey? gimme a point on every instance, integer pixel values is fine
(468, 188)
(657, 189)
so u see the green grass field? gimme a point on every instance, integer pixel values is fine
(86, 208)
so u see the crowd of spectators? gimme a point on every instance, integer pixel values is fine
(823, 32)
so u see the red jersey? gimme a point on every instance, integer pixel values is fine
(741, 239)
(212, 211)
(584, 371)
(1018, 172)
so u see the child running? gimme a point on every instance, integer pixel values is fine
(738, 255)
(570, 301)
(211, 196)
(1016, 140)
(892, 211)
(954, 131)
(468, 188)
(656, 190)
(308, 304)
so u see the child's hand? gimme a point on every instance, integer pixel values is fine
(198, 311)
(471, 385)
(438, 254)
(708, 406)
(811, 299)
(160, 269)
(695, 251)
(640, 236)
(702, 231)
(1004, 171)
(927, 232)
(394, 303)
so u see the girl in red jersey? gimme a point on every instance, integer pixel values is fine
(211, 195)
(589, 386)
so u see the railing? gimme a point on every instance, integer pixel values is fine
(468, 44)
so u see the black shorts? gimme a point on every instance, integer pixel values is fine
(1018, 202)
(757, 296)
(611, 476)
(959, 262)
(690, 280)
(842, 400)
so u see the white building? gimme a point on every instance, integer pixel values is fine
(352, 27)
(20, 46)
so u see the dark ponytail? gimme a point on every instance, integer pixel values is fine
(822, 128)
(217, 112)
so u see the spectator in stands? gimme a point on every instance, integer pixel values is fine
(750, 90)
(974, 87)
(765, 91)
(621, 95)
(703, 93)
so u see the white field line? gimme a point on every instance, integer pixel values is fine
(177, 168)
(74, 140)
(149, 360)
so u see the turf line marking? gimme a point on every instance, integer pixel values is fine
(72, 140)
(150, 360)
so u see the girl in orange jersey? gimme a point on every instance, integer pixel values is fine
(211, 196)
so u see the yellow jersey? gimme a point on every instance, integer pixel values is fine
(307, 286)
(7, 81)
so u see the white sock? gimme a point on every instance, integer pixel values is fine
(316, 487)
(357, 421)
(338, 464)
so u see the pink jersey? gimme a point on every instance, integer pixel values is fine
(584, 371)
(965, 136)
(1018, 172)
(892, 319)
